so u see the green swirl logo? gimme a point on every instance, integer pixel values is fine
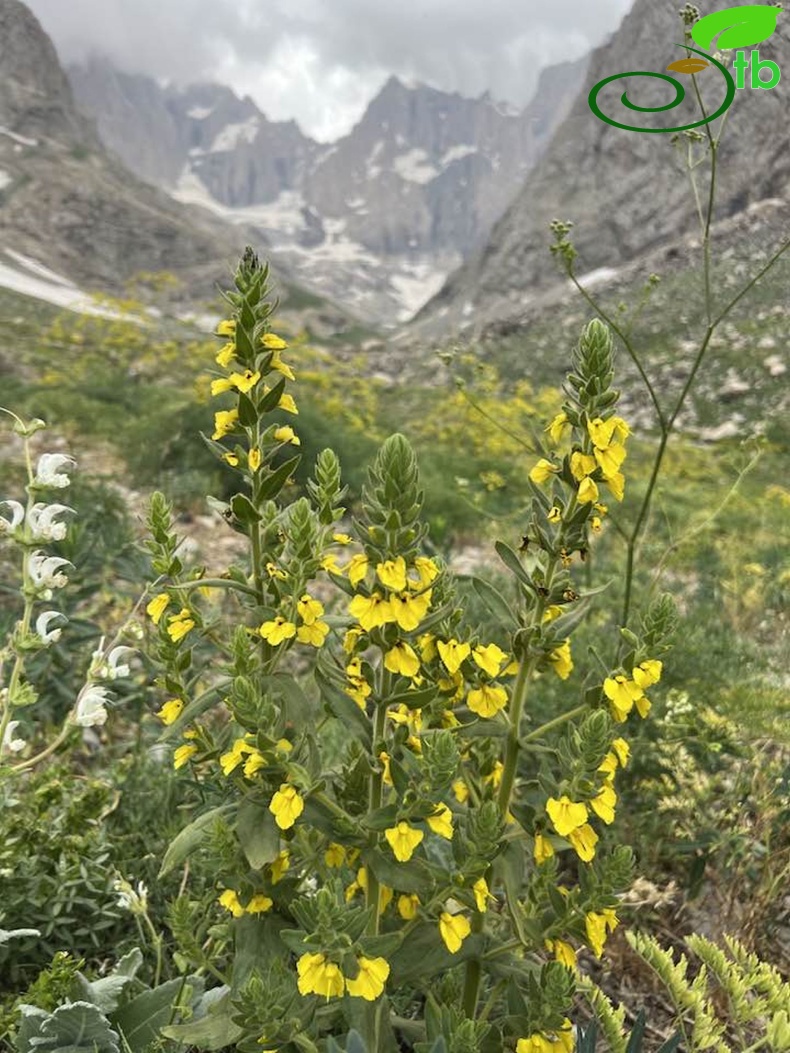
(735, 27)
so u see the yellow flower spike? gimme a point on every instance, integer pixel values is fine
(557, 427)
(287, 403)
(588, 492)
(392, 574)
(259, 904)
(226, 355)
(370, 980)
(544, 849)
(280, 865)
(403, 839)
(224, 423)
(603, 804)
(402, 659)
(487, 700)
(584, 840)
(277, 631)
(287, 434)
(370, 611)
(335, 855)
(481, 893)
(489, 658)
(647, 673)
(595, 524)
(309, 609)
(272, 342)
(453, 654)
(231, 459)
(441, 822)
(157, 607)
(286, 806)
(357, 569)
(622, 693)
(460, 790)
(254, 459)
(230, 901)
(182, 755)
(171, 711)
(178, 625)
(449, 719)
(453, 928)
(542, 471)
(408, 905)
(566, 815)
(314, 634)
(408, 611)
(561, 659)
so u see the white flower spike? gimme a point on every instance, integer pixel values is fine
(41, 522)
(90, 706)
(48, 472)
(44, 572)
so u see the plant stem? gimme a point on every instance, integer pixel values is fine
(374, 802)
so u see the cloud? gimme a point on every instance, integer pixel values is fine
(320, 61)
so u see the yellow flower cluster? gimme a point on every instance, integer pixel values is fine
(605, 455)
(624, 694)
(321, 976)
(561, 1041)
(408, 599)
(312, 631)
(259, 903)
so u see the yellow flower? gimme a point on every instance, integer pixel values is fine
(427, 571)
(603, 804)
(489, 658)
(566, 815)
(241, 381)
(182, 755)
(357, 568)
(441, 822)
(481, 893)
(259, 904)
(274, 572)
(597, 925)
(562, 661)
(359, 691)
(171, 711)
(227, 327)
(542, 471)
(335, 855)
(623, 751)
(551, 1042)
(230, 901)
(286, 806)
(280, 865)
(281, 367)
(552, 612)
(225, 355)
(233, 758)
(588, 492)
(329, 563)
(461, 790)
(616, 484)
(487, 700)
(647, 673)
(254, 763)
(318, 976)
(231, 459)
(178, 625)
(543, 849)
(370, 611)
(407, 906)
(453, 928)
(563, 952)
(554, 514)
(314, 634)
(386, 776)
(403, 839)
(254, 459)
(643, 705)
(495, 776)
(603, 432)
(287, 403)
(584, 841)
(392, 574)
(341, 539)
(309, 610)
(409, 611)
(157, 607)
(350, 639)
(453, 654)
(370, 980)
(610, 460)
(402, 659)
(557, 427)
(622, 693)
(275, 632)
(224, 422)
(287, 434)
(272, 342)
(582, 465)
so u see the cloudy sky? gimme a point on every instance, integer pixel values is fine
(321, 61)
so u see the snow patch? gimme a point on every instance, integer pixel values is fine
(415, 167)
(62, 294)
(372, 168)
(20, 139)
(233, 134)
(39, 269)
(455, 153)
(5, 179)
(200, 113)
(415, 287)
(600, 276)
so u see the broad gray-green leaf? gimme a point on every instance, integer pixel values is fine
(190, 837)
(258, 833)
(78, 1027)
(736, 27)
(140, 1020)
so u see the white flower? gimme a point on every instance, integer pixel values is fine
(43, 571)
(9, 742)
(41, 522)
(90, 706)
(116, 655)
(17, 515)
(48, 471)
(130, 899)
(43, 620)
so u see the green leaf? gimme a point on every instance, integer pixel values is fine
(513, 563)
(258, 833)
(139, 1021)
(185, 842)
(343, 707)
(637, 1035)
(72, 1028)
(247, 415)
(736, 27)
(424, 954)
(272, 485)
(494, 601)
(243, 509)
(413, 876)
(269, 401)
(211, 1032)
(105, 992)
(298, 707)
(380, 946)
